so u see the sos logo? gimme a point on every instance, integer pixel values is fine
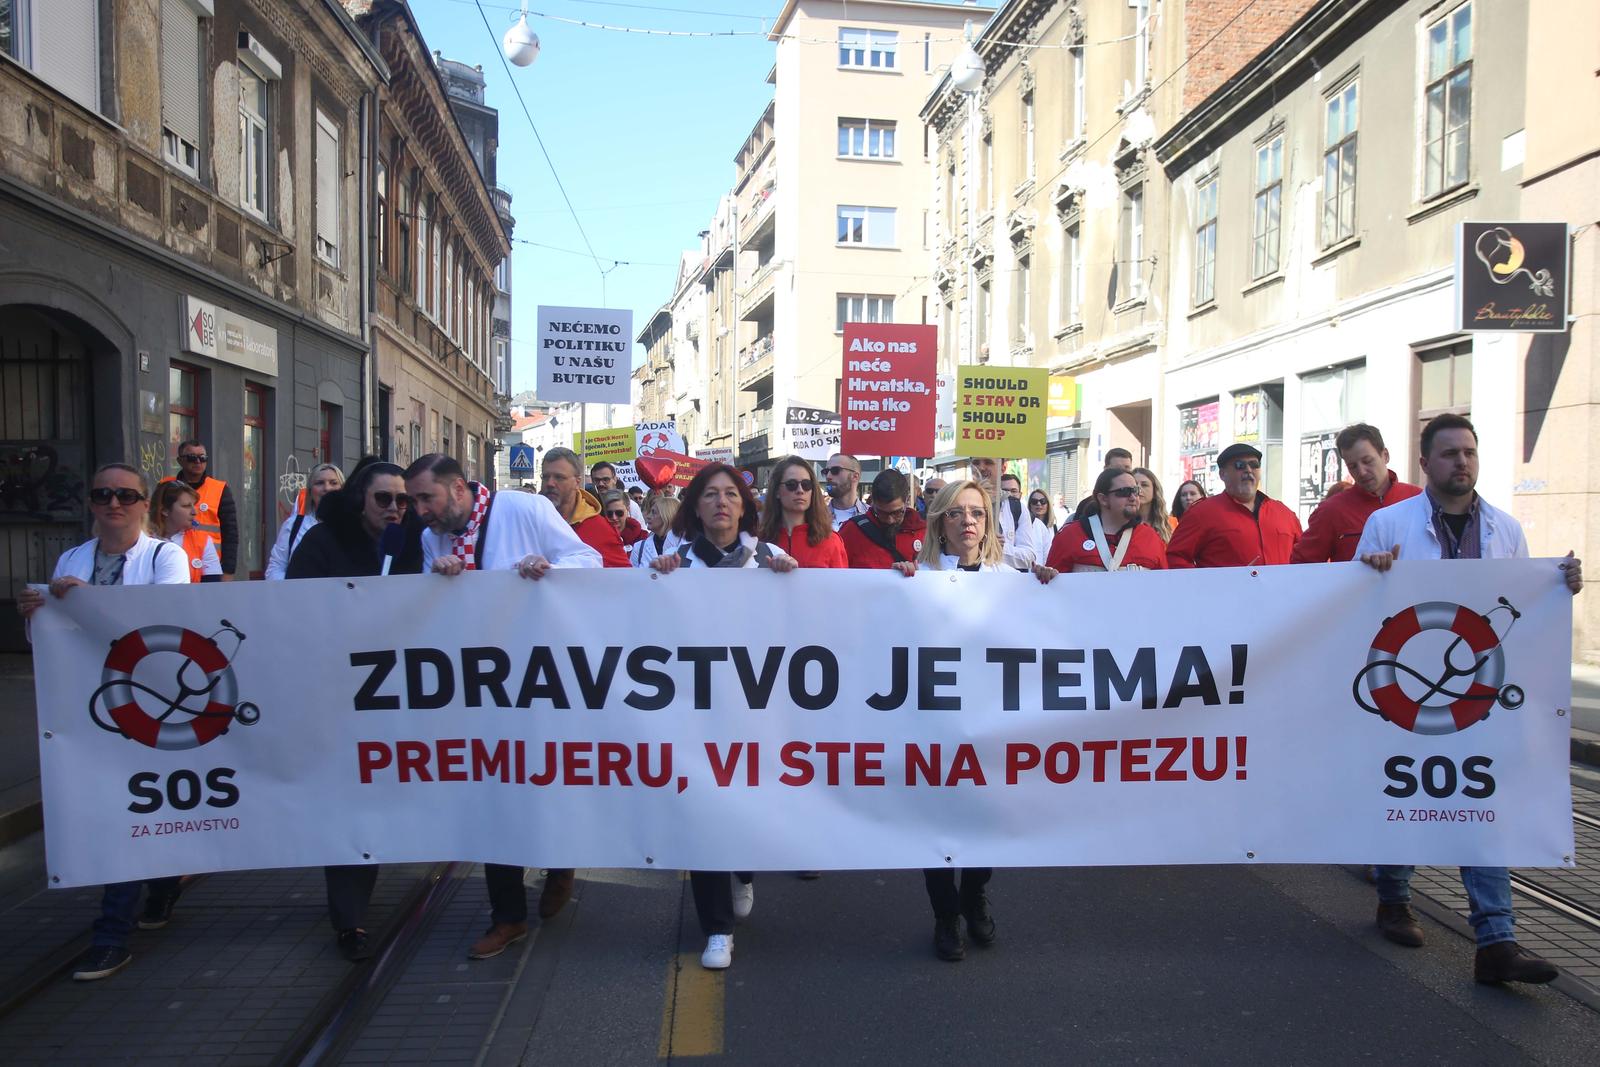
(1404, 684)
(182, 790)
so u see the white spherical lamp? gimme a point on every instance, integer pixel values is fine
(521, 44)
(966, 72)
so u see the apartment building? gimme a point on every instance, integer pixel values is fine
(181, 255)
(439, 242)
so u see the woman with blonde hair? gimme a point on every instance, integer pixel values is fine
(323, 479)
(659, 512)
(171, 518)
(1152, 504)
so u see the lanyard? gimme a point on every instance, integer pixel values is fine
(1111, 562)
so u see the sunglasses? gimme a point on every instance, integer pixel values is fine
(799, 484)
(383, 498)
(194, 457)
(1037, 502)
(1247, 464)
(126, 497)
(839, 470)
(1126, 492)
(616, 514)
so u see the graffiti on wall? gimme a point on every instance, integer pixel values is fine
(290, 482)
(153, 459)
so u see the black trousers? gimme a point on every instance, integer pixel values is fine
(508, 897)
(949, 902)
(349, 893)
(713, 898)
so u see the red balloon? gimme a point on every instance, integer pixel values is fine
(655, 472)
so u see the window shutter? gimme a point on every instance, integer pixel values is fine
(66, 48)
(180, 70)
(329, 174)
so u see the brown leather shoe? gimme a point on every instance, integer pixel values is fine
(1399, 924)
(557, 891)
(1507, 961)
(500, 937)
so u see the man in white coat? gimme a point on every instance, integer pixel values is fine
(1023, 538)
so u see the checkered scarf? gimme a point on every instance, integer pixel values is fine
(464, 542)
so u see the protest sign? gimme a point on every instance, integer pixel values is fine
(889, 389)
(813, 433)
(585, 354)
(613, 445)
(735, 720)
(717, 454)
(1000, 411)
(658, 435)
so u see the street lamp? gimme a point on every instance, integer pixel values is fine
(966, 70)
(521, 44)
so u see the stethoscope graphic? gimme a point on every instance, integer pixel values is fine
(216, 688)
(1486, 669)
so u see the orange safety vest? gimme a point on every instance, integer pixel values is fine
(208, 512)
(194, 546)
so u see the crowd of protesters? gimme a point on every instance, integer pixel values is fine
(430, 517)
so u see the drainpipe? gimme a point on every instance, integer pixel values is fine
(369, 264)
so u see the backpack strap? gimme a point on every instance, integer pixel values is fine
(294, 530)
(876, 534)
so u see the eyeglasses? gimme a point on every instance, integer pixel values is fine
(800, 484)
(1126, 492)
(126, 497)
(830, 471)
(193, 457)
(885, 515)
(383, 498)
(1247, 464)
(976, 515)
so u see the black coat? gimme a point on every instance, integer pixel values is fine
(340, 547)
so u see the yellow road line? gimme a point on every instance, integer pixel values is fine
(692, 1014)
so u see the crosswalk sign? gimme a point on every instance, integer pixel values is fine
(521, 459)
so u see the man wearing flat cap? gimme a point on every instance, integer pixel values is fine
(1239, 527)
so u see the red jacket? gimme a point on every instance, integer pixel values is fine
(1074, 548)
(1221, 532)
(1334, 529)
(797, 542)
(632, 532)
(865, 553)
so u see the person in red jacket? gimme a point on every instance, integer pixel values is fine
(1240, 526)
(614, 506)
(561, 482)
(1334, 529)
(796, 519)
(1108, 534)
(891, 531)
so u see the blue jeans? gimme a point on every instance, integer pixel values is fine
(1488, 895)
(119, 909)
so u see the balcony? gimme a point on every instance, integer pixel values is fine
(755, 212)
(755, 300)
(753, 424)
(755, 362)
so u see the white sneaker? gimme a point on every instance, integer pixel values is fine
(744, 898)
(719, 952)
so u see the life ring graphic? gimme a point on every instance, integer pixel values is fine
(115, 705)
(1460, 708)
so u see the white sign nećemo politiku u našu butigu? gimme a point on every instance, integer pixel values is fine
(585, 354)
(735, 720)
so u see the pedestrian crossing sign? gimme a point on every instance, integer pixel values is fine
(522, 459)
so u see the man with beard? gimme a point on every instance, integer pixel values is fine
(1239, 527)
(890, 532)
(472, 528)
(561, 483)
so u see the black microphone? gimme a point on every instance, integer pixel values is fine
(390, 544)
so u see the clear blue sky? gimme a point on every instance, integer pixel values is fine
(642, 130)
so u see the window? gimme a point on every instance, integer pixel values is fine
(984, 314)
(1141, 43)
(1448, 143)
(988, 169)
(502, 275)
(1339, 165)
(435, 259)
(422, 249)
(927, 52)
(385, 417)
(330, 176)
(1444, 381)
(448, 438)
(866, 138)
(861, 307)
(59, 40)
(1027, 134)
(330, 433)
(1205, 242)
(180, 85)
(1080, 97)
(183, 405)
(252, 496)
(447, 310)
(1022, 301)
(870, 226)
(1131, 238)
(255, 154)
(873, 49)
(1072, 274)
(381, 182)
(1267, 222)
(404, 209)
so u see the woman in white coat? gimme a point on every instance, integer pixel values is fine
(717, 521)
(323, 479)
(659, 513)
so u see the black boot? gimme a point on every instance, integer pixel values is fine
(1398, 923)
(980, 924)
(1507, 961)
(947, 940)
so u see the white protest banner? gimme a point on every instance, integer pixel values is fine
(715, 454)
(736, 720)
(813, 433)
(658, 435)
(585, 354)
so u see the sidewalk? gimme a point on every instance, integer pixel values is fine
(20, 813)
